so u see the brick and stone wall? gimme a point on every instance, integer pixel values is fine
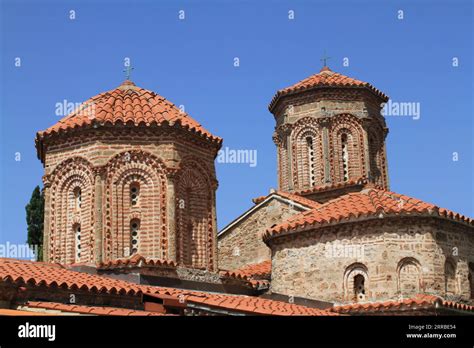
(375, 260)
(242, 244)
(173, 174)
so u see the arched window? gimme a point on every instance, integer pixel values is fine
(311, 161)
(471, 278)
(359, 288)
(134, 237)
(77, 193)
(356, 282)
(450, 277)
(409, 277)
(345, 156)
(134, 193)
(77, 242)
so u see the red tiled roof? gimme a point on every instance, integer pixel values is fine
(91, 310)
(260, 270)
(53, 276)
(421, 301)
(291, 196)
(325, 78)
(329, 187)
(368, 203)
(136, 260)
(131, 105)
(247, 304)
(16, 312)
(258, 274)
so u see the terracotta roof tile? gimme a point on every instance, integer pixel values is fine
(54, 275)
(291, 196)
(247, 304)
(16, 312)
(421, 301)
(363, 182)
(325, 78)
(127, 104)
(136, 260)
(260, 270)
(20, 272)
(256, 275)
(369, 203)
(94, 310)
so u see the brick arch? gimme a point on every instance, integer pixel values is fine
(350, 125)
(68, 175)
(409, 277)
(377, 162)
(351, 272)
(280, 138)
(451, 279)
(470, 278)
(194, 215)
(306, 127)
(122, 171)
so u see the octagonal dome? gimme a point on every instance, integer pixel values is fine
(127, 105)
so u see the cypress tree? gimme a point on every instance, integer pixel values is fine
(35, 221)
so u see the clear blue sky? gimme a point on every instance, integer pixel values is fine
(190, 62)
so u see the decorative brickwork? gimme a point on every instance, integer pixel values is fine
(143, 169)
(339, 124)
(72, 174)
(194, 223)
(113, 189)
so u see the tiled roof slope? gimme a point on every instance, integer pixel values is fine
(91, 310)
(134, 261)
(325, 78)
(418, 302)
(247, 304)
(54, 276)
(361, 182)
(127, 104)
(258, 274)
(291, 196)
(368, 203)
(260, 270)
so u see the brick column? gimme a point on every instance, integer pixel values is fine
(47, 217)
(98, 203)
(214, 266)
(366, 153)
(171, 212)
(327, 167)
(289, 156)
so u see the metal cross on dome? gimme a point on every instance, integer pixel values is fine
(128, 69)
(325, 58)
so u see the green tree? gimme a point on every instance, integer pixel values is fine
(35, 221)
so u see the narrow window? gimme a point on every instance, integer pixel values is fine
(359, 287)
(134, 228)
(450, 277)
(77, 198)
(310, 147)
(77, 243)
(471, 278)
(345, 157)
(134, 193)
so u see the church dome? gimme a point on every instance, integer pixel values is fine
(325, 78)
(129, 105)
